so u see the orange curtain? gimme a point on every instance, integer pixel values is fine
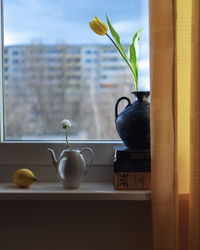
(175, 127)
(194, 198)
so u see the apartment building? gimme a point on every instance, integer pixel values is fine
(100, 65)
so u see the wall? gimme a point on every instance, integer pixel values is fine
(75, 225)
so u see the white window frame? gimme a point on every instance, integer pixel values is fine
(15, 154)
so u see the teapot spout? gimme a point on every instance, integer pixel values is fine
(53, 157)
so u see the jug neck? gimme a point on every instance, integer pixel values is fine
(141, 96)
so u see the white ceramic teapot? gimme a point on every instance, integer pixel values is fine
(71, 166)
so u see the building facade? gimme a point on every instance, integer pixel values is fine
(81, 64)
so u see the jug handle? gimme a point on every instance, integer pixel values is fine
(92, 157)
(118, 101)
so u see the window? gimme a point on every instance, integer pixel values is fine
(15, 70)
(52, 50)
(88, 60)
(58, 38)
(88, 52)
(15, 53)
(15, 61)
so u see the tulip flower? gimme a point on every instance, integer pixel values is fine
(100, 28)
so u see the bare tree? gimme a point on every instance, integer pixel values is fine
(39, 94)
(97, 107)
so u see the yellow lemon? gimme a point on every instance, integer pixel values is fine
(24, 177)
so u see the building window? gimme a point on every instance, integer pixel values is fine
(88, 60)
(15, 53)
(52, 50)
(15, 61)
(15, 70)
(88, 52)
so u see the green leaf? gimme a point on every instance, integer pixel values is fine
(133, 55)
(116, 37)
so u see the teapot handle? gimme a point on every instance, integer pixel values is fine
(92, 157)
(118, 101)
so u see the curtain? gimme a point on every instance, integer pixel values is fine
(175, 123)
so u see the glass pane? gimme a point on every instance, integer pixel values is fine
(56, 67)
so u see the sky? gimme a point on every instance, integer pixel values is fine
(67, 21)
(56, 21)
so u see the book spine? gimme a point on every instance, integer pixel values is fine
(132, 181)
(138, 166)
(129, 156)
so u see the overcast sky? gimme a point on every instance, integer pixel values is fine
(56, 21)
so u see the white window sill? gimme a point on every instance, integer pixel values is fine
(55, 191)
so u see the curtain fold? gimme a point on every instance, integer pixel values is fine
(162, 123)
(175, 123)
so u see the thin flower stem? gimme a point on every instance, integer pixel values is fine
(67, 143)
(121, 54)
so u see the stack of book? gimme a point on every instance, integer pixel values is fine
(132, 169)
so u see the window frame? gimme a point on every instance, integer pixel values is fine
(34, 153)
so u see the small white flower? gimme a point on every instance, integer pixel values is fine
(66, 124)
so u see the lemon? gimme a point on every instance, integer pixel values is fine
(24, 177)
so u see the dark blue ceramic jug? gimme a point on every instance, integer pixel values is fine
(133, 123)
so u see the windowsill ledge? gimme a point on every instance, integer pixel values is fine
(55, 191)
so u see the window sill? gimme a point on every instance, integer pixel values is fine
(87, 191)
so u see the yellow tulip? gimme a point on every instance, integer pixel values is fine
(98, 26)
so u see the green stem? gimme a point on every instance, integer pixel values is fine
(123, 57)
(67, 143)
(136, 82)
